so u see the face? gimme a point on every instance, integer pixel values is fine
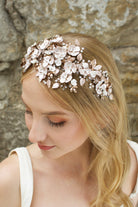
(55, 131)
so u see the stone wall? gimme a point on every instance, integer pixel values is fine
(22, 22)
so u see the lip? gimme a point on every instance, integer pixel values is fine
(44, 147)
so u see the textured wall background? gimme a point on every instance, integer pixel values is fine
(22, 22)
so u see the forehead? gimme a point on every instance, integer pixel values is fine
(35, 96)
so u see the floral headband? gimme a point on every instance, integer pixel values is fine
(57, 64)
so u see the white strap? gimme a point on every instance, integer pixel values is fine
(134, 194)
(26, 176)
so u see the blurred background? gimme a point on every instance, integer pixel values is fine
(22, 22)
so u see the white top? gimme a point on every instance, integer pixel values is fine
(26, 175)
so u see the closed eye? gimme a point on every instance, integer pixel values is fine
(54, 124)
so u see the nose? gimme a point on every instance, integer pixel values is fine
(37, 133)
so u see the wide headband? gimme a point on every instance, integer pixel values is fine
(57, 63)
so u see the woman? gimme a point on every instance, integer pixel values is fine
(76, 116)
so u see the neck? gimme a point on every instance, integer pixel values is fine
(74, 163)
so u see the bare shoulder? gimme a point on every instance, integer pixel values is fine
(134, 161)
(9, 182)
(131, 177)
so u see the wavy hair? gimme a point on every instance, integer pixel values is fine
(106, 122)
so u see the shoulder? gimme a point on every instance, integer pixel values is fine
(9, 182)
(131, 178)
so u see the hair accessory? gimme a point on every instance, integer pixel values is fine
(57, 64)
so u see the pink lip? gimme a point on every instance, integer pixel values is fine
(45, 147)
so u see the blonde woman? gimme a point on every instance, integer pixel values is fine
(77, 122)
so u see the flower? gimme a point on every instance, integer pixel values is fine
(73, 50)
(97, 67)
(60, 52)
(82, 81)
(58, 62)
(68, 78)
(55, 85)
(41, 76)
(35, 54)
(79, 57)
(74, 82)
(48, 83)
(63, 77)
(70, 67)
(44, 44)
(56, 39)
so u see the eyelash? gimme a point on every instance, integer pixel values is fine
(60, 124)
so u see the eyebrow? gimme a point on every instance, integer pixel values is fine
(49, 113)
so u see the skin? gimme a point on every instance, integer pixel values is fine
(70, 139)
(68, 160)
(60, 172)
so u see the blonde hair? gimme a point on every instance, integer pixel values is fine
(106, 122)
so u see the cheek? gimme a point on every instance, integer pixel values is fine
(28, 121)
(73, 133)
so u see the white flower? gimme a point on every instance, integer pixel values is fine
(48, 52)
(97, 67)
(44, 71)
(51, 68)
(56, 39)
(82, 81)
(74, 82)
(74, 68)
(44, 45)
(35, 54)
(48, 60)
(63, 77)
(84, 72)
(41, 76)
(34, 61)
(73, 50)
(99, 92)
(93, 62)
(55, 85)
(58, 62)
(45, 63)
(105, 93)
(56, 71)
(85, 65)
(48, 83)
(94, 73)
(111, 96)
(70, 67)
(103, 86)
(79, 57)
(110, 90)
(99, 83)
(51, 60)
(40, 68)
(60, 52)
(69, 78)
(27, 65)
(29, 50)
